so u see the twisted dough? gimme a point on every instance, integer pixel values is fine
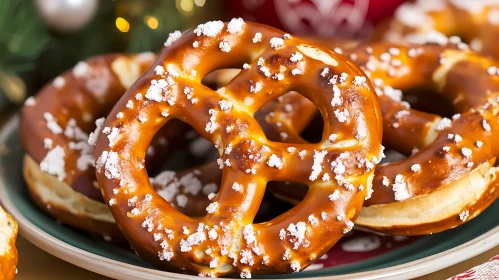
(450, 177)
(226, 240)
(477, 22)
(55, 127)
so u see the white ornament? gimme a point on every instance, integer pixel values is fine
(67, 15)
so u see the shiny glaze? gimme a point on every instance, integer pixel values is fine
(444, 69)
(461, 77)
(8, 260)
(155, 229)
(474, 97)
(85, 96)
(474, 21)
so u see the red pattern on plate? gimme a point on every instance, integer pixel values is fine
(358, 246)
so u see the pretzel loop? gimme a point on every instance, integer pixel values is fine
(451, 175)
(226, 240)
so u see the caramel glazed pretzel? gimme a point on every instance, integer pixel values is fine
(450, 177)
(476, 22)
(225, 240)
(55, 127)
(8, 250)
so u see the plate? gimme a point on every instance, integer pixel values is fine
(421, 256)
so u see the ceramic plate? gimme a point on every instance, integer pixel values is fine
(358, 256)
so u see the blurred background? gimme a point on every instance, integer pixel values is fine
(39, 39)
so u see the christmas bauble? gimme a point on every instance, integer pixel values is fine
(67, 15)
(324, 18)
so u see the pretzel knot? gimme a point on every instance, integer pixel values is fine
(226, 240)
(56, 131)
(476, 22)
(450, 175)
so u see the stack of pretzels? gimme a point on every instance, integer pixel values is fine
(304, 120)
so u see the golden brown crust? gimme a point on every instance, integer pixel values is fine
(61, 117)
(8, 260)
(59, 200)
(442, 209)
(442, 68)
(65, 110)
(446, 70)
(73, 208)
(225, 240)
(447, 152)
(474, 21)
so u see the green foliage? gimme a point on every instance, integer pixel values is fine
(26, 42)
(101, 36)
(64, 50)
(32, 49)
(144, 38)
(32, 53)
(23, 36)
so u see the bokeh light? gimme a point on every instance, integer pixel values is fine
(152, 22)
(122, 24)
(199, 3)
(186, 7)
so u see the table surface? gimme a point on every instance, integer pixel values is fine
(31, 265)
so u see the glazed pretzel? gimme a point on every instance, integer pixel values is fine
(55, 128)
(476, 22)
(188, 190)
(286, 119)
(226, 240)
(458, 153)
(8, 250)
(452, 159)
(75, 200)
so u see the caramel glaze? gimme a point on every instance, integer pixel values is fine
(473, 21)
(474, 98)
(8, 260)
(271, 118)
(166, 238)
(448, 71)
(85, 98)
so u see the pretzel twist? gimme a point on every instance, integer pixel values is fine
(458, 153)
(449, 178)
(226, 240)
(476, 22)
(400, 189)
(61, 116)
(56, 125)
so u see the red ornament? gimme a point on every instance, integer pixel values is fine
(325, 18)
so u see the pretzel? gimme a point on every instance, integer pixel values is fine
(221, 77)
(458, 152)
(476, 22)
(450, 177)
(287, 119)
(225, 240)
(55, 127)
(8, 250)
